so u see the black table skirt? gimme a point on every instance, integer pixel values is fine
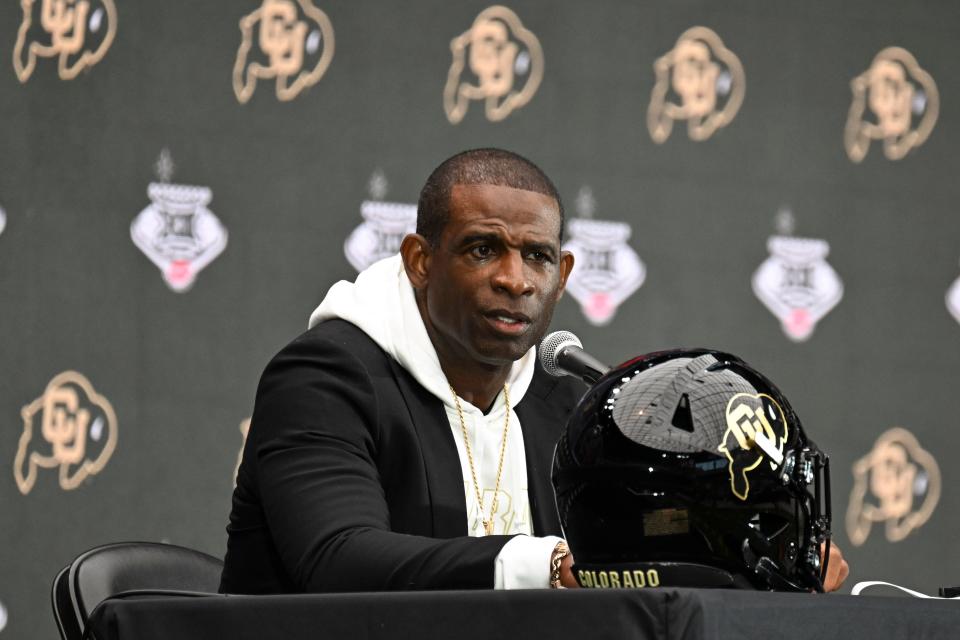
(575, 614)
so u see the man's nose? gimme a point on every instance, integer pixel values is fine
(511, 275)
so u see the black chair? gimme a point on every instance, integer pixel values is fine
(128, 568)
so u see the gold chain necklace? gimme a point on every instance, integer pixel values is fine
(487, 524)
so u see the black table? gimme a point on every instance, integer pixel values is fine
(486, 615)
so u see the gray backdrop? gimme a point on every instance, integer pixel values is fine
(288, 177)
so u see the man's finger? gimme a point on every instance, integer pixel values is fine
(837, 569)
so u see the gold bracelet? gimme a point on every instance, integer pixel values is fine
(560, 552)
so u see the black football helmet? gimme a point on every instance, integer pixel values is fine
(690, 468)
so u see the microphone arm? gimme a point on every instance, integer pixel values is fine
(576, 362)
(562, 354)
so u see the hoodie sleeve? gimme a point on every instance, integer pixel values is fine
(310, 464)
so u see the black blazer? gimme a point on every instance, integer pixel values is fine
(351, 481)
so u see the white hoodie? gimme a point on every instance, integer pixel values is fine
(381, 303)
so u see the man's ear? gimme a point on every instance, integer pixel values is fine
(415, 251)
(566, 266)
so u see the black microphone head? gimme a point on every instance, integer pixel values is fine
(553, 344)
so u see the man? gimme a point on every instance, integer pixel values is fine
(405, 440)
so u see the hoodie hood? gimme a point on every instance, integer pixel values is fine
(381, 303)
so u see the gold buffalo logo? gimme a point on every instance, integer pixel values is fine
(294, 45)
(897, 483)
(756, 432)
(700, 81)
(895, 101)
(71, 427)
(76, 32)
(496, 60)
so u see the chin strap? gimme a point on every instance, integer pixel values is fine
(767, 569)
(769, 572)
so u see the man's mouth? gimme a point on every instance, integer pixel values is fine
(508, 322)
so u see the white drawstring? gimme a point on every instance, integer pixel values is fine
(861, 586)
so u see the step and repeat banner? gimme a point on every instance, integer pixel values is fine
(181, 182)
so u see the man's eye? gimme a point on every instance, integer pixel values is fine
(481, 251)
(539, 256)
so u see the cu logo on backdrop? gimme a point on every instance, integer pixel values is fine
(77, 33)
(70, 427)
(894, 101)
(699, 81)
(497, 61)
(290, 42)
(897, 483)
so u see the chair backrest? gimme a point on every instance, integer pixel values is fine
(111, 569)
(63, 611)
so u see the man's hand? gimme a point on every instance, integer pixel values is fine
(566, 573)
(837, 568)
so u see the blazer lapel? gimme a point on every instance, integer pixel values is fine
(440, 459)
(540, 434)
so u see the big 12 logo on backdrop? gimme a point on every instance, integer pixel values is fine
(176, 230)
(797, 284)
(953, 299)
(606, 270)
(383, 228)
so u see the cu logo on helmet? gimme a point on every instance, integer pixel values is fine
(756, 432)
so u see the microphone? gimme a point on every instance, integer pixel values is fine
(562, 354)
